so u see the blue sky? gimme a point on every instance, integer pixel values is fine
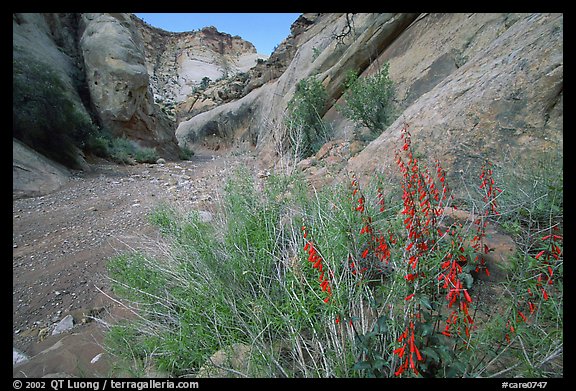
(264, 30)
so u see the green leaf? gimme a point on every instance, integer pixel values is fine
(429, 352)
(427, 315)
(363, 341)
(370, 335)
(362, 365)
(455, 369)
(379, 363)
(426, 329)
(444, 353)
(467, 278)
(381, 326)
(425, 301)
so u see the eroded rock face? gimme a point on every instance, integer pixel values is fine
(470, 86)
(503, 101)
(45, 52)
(318, 50)
(33, 174)
(191, 72)
(118, 81)
(177, 62)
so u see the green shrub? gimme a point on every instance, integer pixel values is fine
(185, 153)
(99, 144)
(122, 150)
(44, 114)
(369, 100)
(307, 130)
(204, 83)
(146, 155)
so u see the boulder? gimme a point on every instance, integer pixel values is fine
(18, 357)
(66, 324)
(501, 246)
(70, 354)
(119, 83)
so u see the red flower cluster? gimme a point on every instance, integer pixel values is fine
(376, 242)
(490, 191)
(544, 278)
(553, 251)
(457, 294)
(422, 201)
(408, 352)
(316, 259)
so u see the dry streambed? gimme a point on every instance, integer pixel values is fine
(61, 242)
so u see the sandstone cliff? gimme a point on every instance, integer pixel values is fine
(486, 86)
(99, 61)
(177, 62)
(256, 120)
(75, 73)
(47, 70)
(119, 82)
(471, 86)
(191, 72)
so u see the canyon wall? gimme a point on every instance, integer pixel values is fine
(470, 86)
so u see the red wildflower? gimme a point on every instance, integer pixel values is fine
(400, 351)
(411, 276)
(522, 315)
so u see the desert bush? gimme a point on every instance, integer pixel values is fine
(99, 145)
(44, 115)
(120, 149)
(204, 83)
(307, 130)
(146, 155)
(185, 153)
(369, 100)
